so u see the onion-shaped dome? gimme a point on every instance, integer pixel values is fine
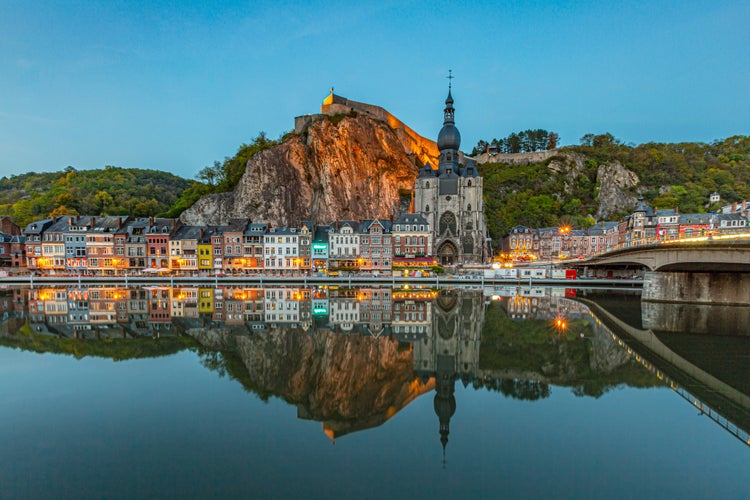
(449, 137)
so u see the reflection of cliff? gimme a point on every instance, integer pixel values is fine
(118, 349)
(520, 359)
(349, 382)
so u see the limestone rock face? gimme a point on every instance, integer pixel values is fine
(351, 167)
(615, 195)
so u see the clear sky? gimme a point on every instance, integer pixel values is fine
(176, 85)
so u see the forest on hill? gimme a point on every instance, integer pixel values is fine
(671, 175)
(108, 191)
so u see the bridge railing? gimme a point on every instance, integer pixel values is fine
(654, 242)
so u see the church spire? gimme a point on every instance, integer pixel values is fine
(448, 113)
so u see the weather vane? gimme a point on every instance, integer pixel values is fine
(450, 77)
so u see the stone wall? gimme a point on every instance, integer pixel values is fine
(699, 288)
(515, 158)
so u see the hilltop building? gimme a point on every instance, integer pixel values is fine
(450, 199)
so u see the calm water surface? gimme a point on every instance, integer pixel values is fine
(370, 393)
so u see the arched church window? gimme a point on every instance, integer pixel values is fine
(468, 207)
(427, 208)
(448, 221)
(427, 184)
(468, 244)
(469, 183)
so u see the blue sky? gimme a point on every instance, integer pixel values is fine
(176, 85)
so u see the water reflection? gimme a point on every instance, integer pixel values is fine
(353, 358)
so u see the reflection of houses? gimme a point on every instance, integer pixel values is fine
(375, 310)
(55, 305)
(283, 305)
(344, 311)
(412, 314)
(541, 303)
(78, 309)
(103, 304)
(185, 302)
(158, 309)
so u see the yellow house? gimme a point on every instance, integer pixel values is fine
(205, 255)
(205, 300)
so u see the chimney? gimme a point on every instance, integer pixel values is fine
(93, 221)
(744, 206)
(201, 234)
(70, 221)
(119, 222)
(734, 206)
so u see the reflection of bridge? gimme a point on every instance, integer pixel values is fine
(720, 401)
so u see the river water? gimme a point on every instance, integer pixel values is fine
(370, 392)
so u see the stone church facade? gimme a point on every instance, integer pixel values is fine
(450, 198)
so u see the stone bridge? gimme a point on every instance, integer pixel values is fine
(679, 256)
(695, 271)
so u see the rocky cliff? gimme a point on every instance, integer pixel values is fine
(615, 182)
(347, 166)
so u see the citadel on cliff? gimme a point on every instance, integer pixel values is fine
(449, 197)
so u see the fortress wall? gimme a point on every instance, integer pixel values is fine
(340, 104)
(515, 158)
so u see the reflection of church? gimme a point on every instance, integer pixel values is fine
(451, 200)
(451, 349)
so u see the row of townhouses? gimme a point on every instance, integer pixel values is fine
(116, 245)
(645, 225)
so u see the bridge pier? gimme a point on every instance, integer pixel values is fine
(696, 318)
(728, 288)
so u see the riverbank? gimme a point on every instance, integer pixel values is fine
(431, 281)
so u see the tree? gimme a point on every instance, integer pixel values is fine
(211, 175)
(552, 140)
(480, 148)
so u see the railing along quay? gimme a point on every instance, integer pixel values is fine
(432, 281)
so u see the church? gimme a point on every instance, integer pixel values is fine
(450, 198)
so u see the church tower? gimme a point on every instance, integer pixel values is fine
(450, 198)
